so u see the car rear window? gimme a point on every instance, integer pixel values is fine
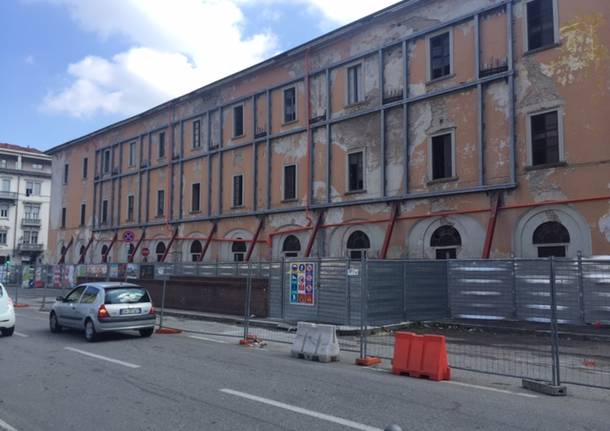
(126, 295)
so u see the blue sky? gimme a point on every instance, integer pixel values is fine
(70, 67)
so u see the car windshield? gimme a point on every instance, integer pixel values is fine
(126, 295)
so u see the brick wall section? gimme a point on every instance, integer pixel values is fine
(213, 295)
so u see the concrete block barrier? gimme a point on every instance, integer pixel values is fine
(316, 342)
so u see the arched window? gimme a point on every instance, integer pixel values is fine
(196, 250)
(551, 239)
(160, 251)
(358, 244)
(239, 250)
(446, 240)
(291, 246)
(104, 253)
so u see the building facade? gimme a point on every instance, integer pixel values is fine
(25, 196)
(431, 129)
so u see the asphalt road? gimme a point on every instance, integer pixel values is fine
(204, 382)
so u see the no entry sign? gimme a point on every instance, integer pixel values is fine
(145, 251)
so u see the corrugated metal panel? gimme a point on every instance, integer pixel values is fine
(385, 292)
(332, 293)
(533, 290)
(567, 292)
(276, 290)
(481, 289)
(596, 291)
(425, 295)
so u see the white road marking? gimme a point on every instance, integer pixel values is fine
(295, 409)
(6, 427)
(20, 334)
(487, 388)
(197, 337)
(103, 358)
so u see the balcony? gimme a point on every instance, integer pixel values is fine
(25, 247)
(31, 222)
(8, 196)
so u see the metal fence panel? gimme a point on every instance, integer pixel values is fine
(532, 282)
(481, 289)
(385, 291)
(425, 295)
(596, 291)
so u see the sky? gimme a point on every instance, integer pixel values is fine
(70, 67)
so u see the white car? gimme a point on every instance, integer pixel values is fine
(7, 313)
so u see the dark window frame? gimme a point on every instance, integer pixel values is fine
(541, 24)
(442, 165)
(440, 55)
(356, 171)
(290, 104)
(197, 134)
(161, 145)
(160, 203)
(104, 209)
(66, 172)
(545, 137)
(238, 121)
(130, 207)
(106, 162)
(354, 84)
(195, 197)
(85, 167)
(64, 216)
(290, 182)
(238, 198)
(83, 213)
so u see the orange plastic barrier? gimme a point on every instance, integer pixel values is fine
(420, 356)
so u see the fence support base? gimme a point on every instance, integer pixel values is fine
(368, 361)
(545, 388)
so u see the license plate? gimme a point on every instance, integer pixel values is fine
(130, 311)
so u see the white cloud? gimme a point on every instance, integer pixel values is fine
(175, 48)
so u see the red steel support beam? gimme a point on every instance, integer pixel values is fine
(114, 238)
(491, 226)
(81, 260)
(312, 237)
(208, 241)
(389, 230)
(169, 246)
(135, 250)
(253, 243)
(62, 259)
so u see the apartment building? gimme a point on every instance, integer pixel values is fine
(25, 191)
(431, 129)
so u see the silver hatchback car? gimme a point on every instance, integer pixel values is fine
(104, 307)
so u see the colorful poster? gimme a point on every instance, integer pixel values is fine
(302, 277)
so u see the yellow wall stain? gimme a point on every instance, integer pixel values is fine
(581, 50)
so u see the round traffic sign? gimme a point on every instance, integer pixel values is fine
(128, 236)
(145, 251)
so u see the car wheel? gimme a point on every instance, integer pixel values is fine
(54, 325)
(7, 332)
(90, 334)
(145, 333)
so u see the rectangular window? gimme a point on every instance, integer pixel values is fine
(3, 163)
(355, 169)
(290, 104)
(6, 185)
(132, 154)
(31, 212)
(545, 138)
(354, 78)
(63, 217)
(290, 182)
(83, 214)
(3, 237)
(85, 167)
(442, 157)
(130, 208)
(160, 203)
(37, 166)
(3, 211)
(66, 173)
(195, 197)
(238, 121)
(106, 166)
(32, 188)
(238, 190)
(105, 212)
(161, 145)
(196, 134)
(540, 24)
(440, 55)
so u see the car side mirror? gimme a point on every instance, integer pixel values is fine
(60, 298)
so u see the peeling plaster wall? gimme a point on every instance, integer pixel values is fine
(572, 76)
